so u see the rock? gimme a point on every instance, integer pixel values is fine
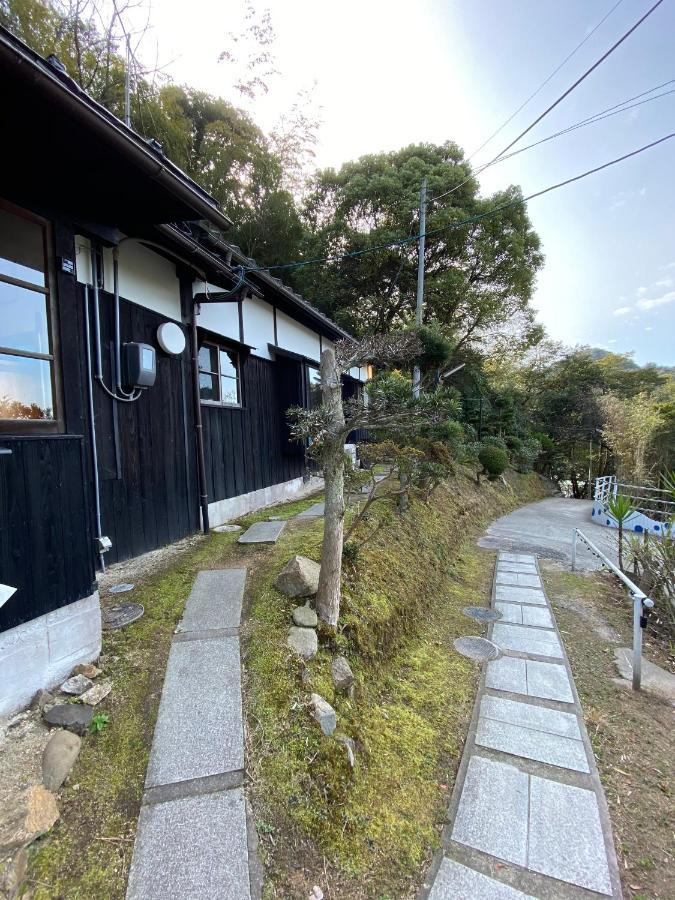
(303, 641)
(274, 519)
(96, 693)
(89, 670)
(76, 685)
(223, 529)
(316, 893)
(324, 714)
(305, 617)
(299, 578)
(349, 747)
(305, 675)
(26, 816)
(73, 716)
(41, 699)
(13, 873)
(343, 677)
(655, 680)
(58, 758)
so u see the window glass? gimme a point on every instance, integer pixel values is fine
(219, 375)
(229, 390)
(21, 249)
(208, 358)
(23, 319)
(208, 386)
(228, 363)
(25, 388)
(314, 386)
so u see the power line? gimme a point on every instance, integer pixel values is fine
(355, 254)
(545, 82)
(583, 77)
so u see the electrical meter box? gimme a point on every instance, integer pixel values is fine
(140, 365)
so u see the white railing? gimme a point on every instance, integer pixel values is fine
(653, 502)
(640, 600)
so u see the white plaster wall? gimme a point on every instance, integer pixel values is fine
(258, 326)
(42, 653)
(145, 277)
(223, 318)
(221, 511)
(297, 338)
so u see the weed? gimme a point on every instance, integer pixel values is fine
(99, 723)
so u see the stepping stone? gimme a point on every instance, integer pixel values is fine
(522, 568)
(533, 615)
(565, 835)
(493, 810)
(530, 677)
(517, 557)
(530, 744)
(199, 728)
(511, 612)
(215, 600)
(193, 847)
(454, 880)
(513, 594)
(526, 640)
(514, 578)
(531, 715)
(313, 512)
(263, 533)
(225, 529)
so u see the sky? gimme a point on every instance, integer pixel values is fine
(389, 73)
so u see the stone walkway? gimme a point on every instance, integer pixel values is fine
(528, 817)
(195, 838)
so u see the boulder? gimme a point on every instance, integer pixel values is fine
(13, 873)
(303, 641)
(96, 693)
(25, 817)
(299, 578)
(343, 677)
(58, 758)
(73, 716)
(41, 699)
(305, 617)
(324, 714)
(77, 685)
(89, 670)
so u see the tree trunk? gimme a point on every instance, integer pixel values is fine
(328, 595)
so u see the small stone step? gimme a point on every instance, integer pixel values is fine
(313, 512)
(215, 600)
(263, 533)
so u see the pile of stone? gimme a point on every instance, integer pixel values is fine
(300, 578)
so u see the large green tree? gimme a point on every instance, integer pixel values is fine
(479, 277)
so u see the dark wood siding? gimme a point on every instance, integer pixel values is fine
(248, 448)
(45, 537)
(146, 449)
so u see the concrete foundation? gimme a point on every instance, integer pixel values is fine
(221, 511)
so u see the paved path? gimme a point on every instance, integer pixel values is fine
(545, 529)
(528, 817)
(195, 840)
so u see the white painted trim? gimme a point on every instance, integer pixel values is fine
(42, 653)
(221, 511)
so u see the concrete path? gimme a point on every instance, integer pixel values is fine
(528, 817)
(195, 838)
(545, 529)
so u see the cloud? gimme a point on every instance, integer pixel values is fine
(653, 302)
(649, 328)
(642, 291)
(613, 341)
(664, 282)
(622, 310)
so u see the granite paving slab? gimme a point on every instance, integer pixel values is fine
(522, 568)
(537, 616)
(492, 811)
(215, 600)
(531, 715)
(511, 612)
(529, 744)
(524, 639)
(192, 848)
(517, 557)
(457, 882)
(515, 578)
(312, 512)
(549, 681)
(199, 726)
(508, 673)
(263, 533)
(513, 594)
(565, 835)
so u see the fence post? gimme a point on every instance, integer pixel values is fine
(637, 642)
(574, 548)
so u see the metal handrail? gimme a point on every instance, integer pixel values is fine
(640, 600)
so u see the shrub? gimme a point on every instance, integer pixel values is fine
(494, 441)
(494, 460)
(525, 456)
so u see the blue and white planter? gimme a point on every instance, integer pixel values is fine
(637, 521)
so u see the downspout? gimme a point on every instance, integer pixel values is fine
(199, 429)
(92, 424)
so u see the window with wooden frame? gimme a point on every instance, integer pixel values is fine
(219, 375)
(28, 370)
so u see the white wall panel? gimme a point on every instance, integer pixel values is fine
(297, 338)
(258, 326)
(223, 318)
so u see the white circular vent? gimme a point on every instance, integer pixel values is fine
(170, 338)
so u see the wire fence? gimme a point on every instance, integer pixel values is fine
(653, 502)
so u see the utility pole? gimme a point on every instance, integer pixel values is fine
(417, 377)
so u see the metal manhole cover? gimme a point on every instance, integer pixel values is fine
(476, 648)
(121, 588)
(123, 614)
(481, 613)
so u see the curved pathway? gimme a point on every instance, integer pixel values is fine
(528, 817)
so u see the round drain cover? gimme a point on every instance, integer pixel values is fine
(481, 613)
(476, 648)
(121, 588)
(123, 614)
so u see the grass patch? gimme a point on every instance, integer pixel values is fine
(370, 831)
